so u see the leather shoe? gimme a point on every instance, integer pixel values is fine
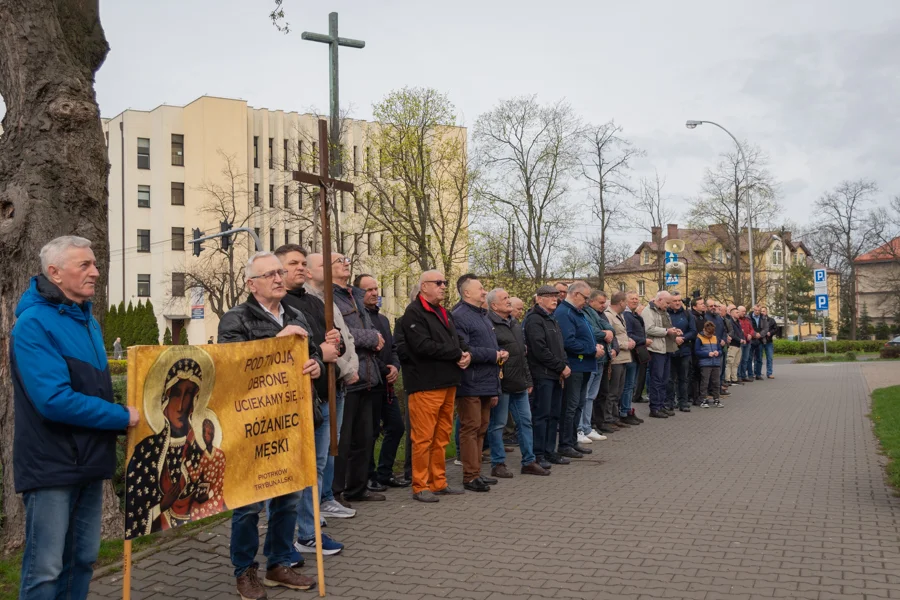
(425, 496)
(534, 468)
(557, 459)
(581, 449)
(508, 449)
(395, 482)
(501, 471)
(449, 491)
(370, 497)
(758, 378)
(570, 453)
(477, 485)
(622, 423)
(376, 486)
(489, 480)
(658, 414)
(606, 429)
(544, 463)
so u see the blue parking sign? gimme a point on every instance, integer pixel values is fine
(822, 302)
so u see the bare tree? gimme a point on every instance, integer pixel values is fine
(574, 261)
(606, 164)
(605, 254)
(655, 214)
(727, 188)
(845, 220)
(527, 154)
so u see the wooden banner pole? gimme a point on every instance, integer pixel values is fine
(320, 563)
(131, 374)
(126, 570)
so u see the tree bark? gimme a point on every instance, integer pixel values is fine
(53, 175)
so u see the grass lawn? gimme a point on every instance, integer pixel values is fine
(886, 415)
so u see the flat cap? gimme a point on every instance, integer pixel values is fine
(546, 290)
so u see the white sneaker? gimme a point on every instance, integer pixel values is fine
(704, 404)
(333, 508)
(596, 436)
(457, 462)
(583, 439)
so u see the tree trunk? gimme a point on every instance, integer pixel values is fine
(53, 174)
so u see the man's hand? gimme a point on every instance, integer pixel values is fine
(380, 343)
(502, 355)
(716, 353)
(292, 330)
(312, 368)
(329, 352)
(599, 352)
(609, 336)
(566, 372)
(679, 340)
(530, 390)
(353, 379)
(494, 401)
(743, 342)
(333, 337)
(464, 360)
(671, 331)
(393, 374)
(712, 354)
(134, 417)
(612, 353)
(631, 344)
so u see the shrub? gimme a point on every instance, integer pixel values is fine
(890, 352)
(799, 348)
(118, 367)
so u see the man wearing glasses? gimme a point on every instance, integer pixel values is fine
(433, 356)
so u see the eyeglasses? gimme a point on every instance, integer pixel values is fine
(438, 282)
(271, 274)
(341, 261)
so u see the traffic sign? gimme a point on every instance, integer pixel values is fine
(821, 301)
(819, 275)
(671, 257)
(671, 279)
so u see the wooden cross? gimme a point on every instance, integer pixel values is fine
(324, 182)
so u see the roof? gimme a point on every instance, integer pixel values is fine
(887, 252)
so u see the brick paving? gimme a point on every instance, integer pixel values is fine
(780, 494)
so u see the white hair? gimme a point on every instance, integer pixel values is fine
(414, 293)
(249, 270)
(54, 251)
(492, 296)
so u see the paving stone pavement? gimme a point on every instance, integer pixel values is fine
(779, 494)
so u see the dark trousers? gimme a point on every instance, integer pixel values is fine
(723, 365)
(351, 465)
(658, 373)
(547, 399)
(677, 387)
(386, 416)
(601, 405)
(709, 382)
(694, 388)
(757, 354)
(640, 382)
(616, 386)
(570, 411)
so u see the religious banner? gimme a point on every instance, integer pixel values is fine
(222, 426)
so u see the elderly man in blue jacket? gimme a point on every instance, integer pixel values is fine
(582, 351)
(479, 390)
(64, 444)
(681, 359)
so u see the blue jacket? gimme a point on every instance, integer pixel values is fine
(684, 320)
(703, 346)
(578, 338)
(599, 326)
(66, 420)
(721, 332)
(482, 377)
(635, 325)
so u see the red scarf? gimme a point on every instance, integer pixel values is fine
(442, 316)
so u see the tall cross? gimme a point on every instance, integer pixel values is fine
(324, 182)
(333, 42)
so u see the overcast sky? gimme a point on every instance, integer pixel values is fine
(814, 83)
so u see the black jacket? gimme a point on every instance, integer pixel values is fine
(248, 321)
(737, 334)
(365, 336)
(510, 337)
(546, 352)
(388, 354)
(428, 349)
(313, 310)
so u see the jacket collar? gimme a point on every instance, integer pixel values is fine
(471, 307)
(498, 319)
(571, 306)
(298, 292)
(255, 307)
(439, 311)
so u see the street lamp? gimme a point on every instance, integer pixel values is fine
(692, 124)
(784, 278)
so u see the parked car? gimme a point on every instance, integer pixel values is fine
(893, 342)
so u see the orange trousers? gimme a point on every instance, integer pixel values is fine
(430, 424)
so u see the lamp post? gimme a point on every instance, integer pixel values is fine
(784, 280)
(692, 124)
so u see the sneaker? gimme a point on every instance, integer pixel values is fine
(583, 439)
(333, 508)
(249, 586)
(718, 404)
(297, 559)
(329, 546)
(635, 417)
(596, 436)
(282, 576)
(425, 496)
(457, 462)
(704, 405)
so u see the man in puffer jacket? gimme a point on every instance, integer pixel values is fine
(681, 360)
(479, 390)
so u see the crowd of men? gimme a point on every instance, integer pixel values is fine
(565, 374)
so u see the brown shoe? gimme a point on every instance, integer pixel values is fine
(771, 376)
(282, 576)
(534, 468)
(501, 471)
(508, 449)
(249, 586)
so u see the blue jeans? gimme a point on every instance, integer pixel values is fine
(328, 473)
(547, 402)
(769, 349)
(62, 539)
(625, 399)
(658, 374)
(306, 516)
(521, 412)
(279, 534)
(744, 368)
(574, 393)
(587, 409)
(757, 360)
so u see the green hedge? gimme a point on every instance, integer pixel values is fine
(838, 347)
(118, 367)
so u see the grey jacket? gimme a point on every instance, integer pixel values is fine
(349, 362)
(365, 336)
(656, 322)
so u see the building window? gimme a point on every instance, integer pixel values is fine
(300, 154)
(287, 236)
(645, 257)
(300, 201)
(720, 256)
(256, 151)
(776, 257)
(178, 238)
(143, 240)
(397, 291)
(143, 196)
(144, 286)
(712, 288)
(287, 197)
(356, 160)
(271, 239)
(642, 289)
(300, 238)
(286, 166)
(177, 193)
(255, 194)
(368, 165)
(315, 157)
(256, 231)
(271, 196)
(271, 153)
(177, 150)
(621, 286)
(178, 285)
(371, 243)
(381, 162)
(343, 202)
(143, 153)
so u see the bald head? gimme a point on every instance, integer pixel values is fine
(662, 299)
(433, 286)
(315, 271)
(518, 308)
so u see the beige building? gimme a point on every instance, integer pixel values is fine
(877, 283)
(176, 168)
